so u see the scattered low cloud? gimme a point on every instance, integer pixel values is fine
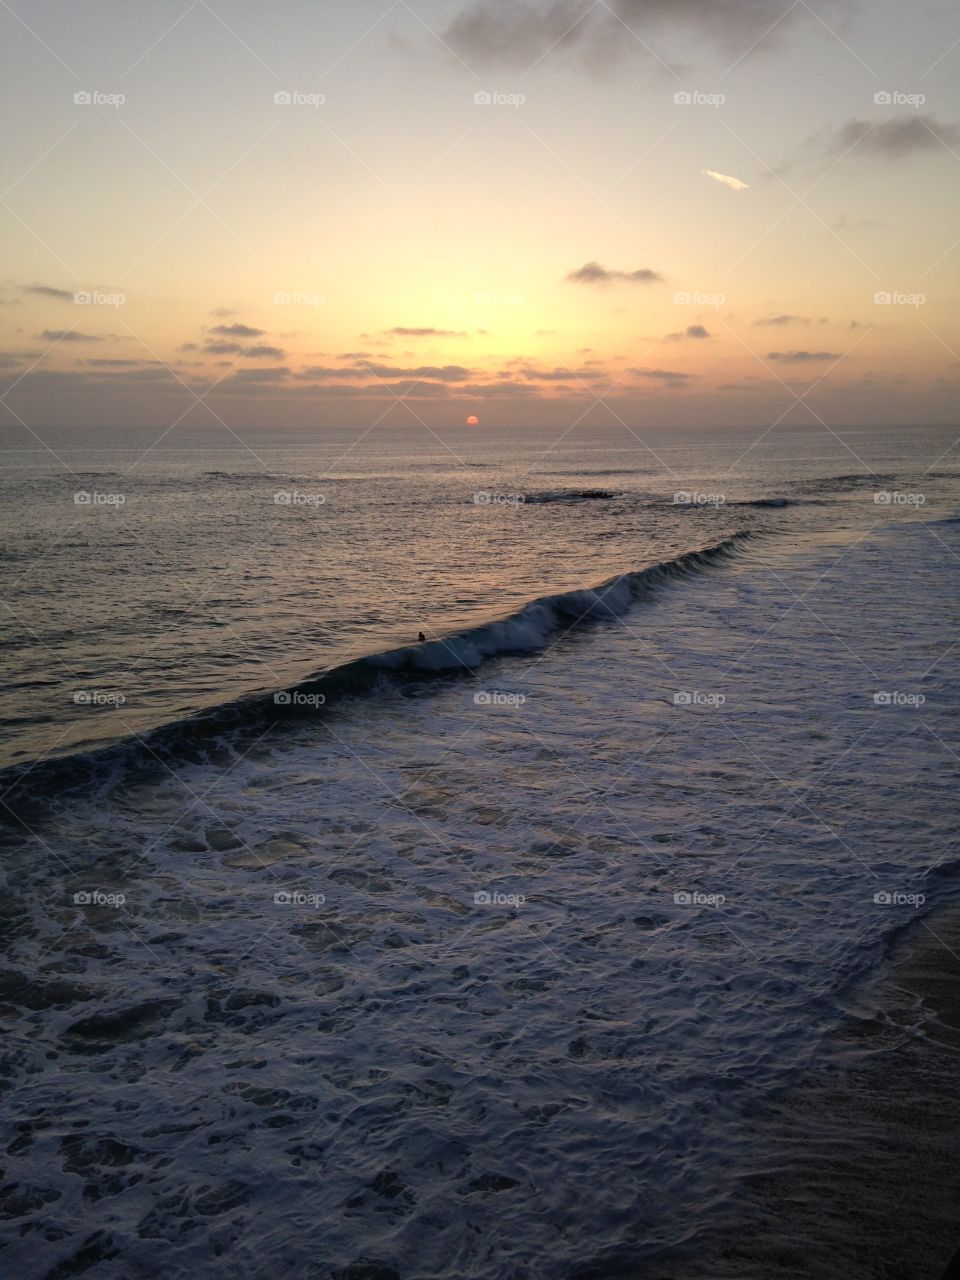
(237, 331)
(69, 335)
(802, 357)
(735, 184)
(666, 376)
(222, 312)
(257, 352)
(517, 33)
(48, 291)
(780, 320)
(257, 375)
(403, 332)
(102, 362)
(897, 138)
(596, 273)
(560, 374)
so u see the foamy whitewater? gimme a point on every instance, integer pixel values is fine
(332, 953)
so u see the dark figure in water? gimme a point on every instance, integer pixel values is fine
(421, 637)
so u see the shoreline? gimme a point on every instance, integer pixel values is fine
(860, 1173)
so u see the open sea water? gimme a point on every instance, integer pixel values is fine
(334, 953)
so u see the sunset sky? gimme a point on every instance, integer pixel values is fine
(337, 213)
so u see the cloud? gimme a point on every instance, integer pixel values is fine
(432, 373)
(222, 312)
(661, 375)
(104, 363)
(595, 273)
(892, 139)
(402, 332)
(780, 320)
(801, 357)
(735, 184)
(897, 138)
(519, 32)
(367, 369)
(237, 349)
(697, 331)
(69, 335)
(532, 374)
(237, 331)
(256, 375)
(47, 291)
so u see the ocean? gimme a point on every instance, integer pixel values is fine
(361, 956)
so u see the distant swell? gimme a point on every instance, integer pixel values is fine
(196, 737)
(570, 495)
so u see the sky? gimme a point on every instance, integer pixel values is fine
(653, 212)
